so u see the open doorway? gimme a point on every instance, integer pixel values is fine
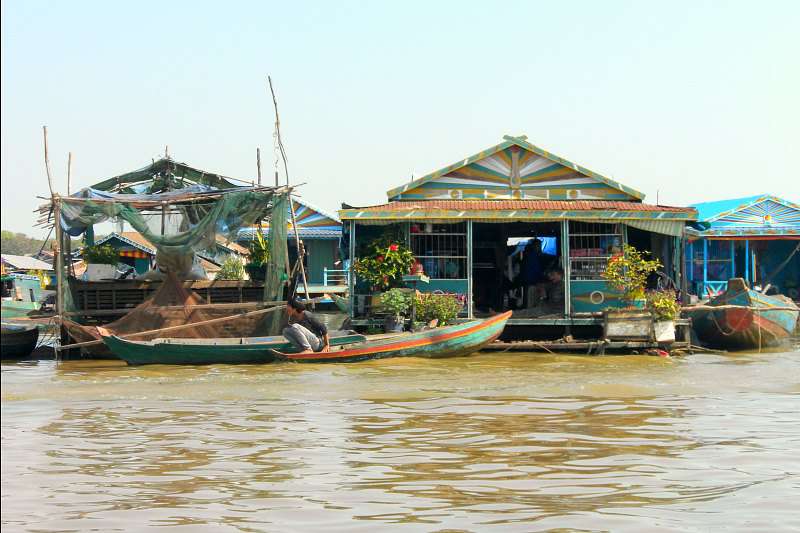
(518, 266)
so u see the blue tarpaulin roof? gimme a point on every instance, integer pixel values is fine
(709, 210)
(760, 215)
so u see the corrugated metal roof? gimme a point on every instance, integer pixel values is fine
(23, 262)
(535, 205)
(308, 233)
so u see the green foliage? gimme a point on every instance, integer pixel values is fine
(231, 269)
(663, 305)
(101, 254)
(443, 307)
(19, 243)
(385, 263)
(259, 250)
(628, 272)
(396, 301)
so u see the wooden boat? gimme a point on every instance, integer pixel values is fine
(753, 319)
(448, 341)
(244, 350)
(18, 340)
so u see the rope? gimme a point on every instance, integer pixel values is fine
(732, 331)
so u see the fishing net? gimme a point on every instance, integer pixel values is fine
(175, 305)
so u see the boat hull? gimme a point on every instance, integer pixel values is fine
(207, 352)
(757, 324)
(449, 341)
(18, 341)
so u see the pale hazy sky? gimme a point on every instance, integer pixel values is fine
(698, 100)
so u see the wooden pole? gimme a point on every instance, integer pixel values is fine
(258, 164)
(47, 163)
(69, 172)
(300, 250)
(732, 306)
(59, 257)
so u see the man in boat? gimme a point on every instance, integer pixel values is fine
(305, 331)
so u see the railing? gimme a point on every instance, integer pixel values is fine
(332, 276)
(713, 288)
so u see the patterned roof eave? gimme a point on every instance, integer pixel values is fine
(421, 213)
(777, 231)
(751, 202)
(331, 216)
(509, 141)
(127, 241)
(307, 233)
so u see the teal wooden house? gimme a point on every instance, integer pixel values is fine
(471, 226)
(320, 233)
(756, 238)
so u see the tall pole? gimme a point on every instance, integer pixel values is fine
(69, 173)
(291, 202)
(47, 163)
(258, 164)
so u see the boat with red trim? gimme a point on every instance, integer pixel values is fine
(746, 320)
(448, 341)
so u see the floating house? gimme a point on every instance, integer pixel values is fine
(470, 224)
(138, 252)
(756, 238)
(320, 233)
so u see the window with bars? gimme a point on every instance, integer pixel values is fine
(441, 248)
(591, 245)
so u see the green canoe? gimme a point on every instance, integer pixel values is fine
(244, 350)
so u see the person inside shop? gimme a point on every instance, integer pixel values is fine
(305, 331)
(532, 270)
(550, 293)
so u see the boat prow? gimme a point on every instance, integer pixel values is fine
(449, 341)
(745, 319)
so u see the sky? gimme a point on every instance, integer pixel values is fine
(684, 101)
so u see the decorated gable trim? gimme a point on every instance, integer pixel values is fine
(774, 211)
(524, 178)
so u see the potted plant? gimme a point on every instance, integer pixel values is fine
(383, 265)
(101, 262)
(396, 303)
(259, 257)
(665, 309)
(231, 269)
(628, 272)
(443, 308)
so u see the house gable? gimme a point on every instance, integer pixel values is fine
(514, 169)
(768, 211)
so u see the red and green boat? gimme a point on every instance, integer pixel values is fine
(745, 319)
(346, 347)
(449, 341)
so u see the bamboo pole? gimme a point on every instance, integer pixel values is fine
(69, 173)
(47, 163)
(258, 165)
(732, 306)
(59, 264)
(300, 250)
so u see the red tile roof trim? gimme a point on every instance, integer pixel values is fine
(537, 205)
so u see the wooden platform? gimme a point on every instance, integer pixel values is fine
(584, 347)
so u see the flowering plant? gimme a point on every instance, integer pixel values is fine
(385, 264)
(628, 271)
(663, 304)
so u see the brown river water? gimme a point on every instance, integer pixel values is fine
(492, 442)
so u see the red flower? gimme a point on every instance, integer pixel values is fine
(394, 247)
(379, 259)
